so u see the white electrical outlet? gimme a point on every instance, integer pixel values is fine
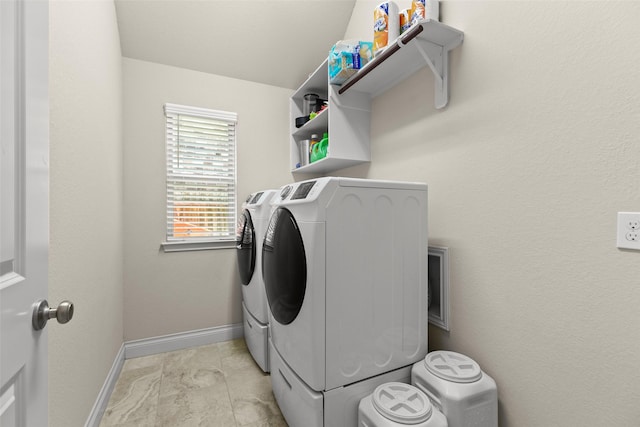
(629, 230)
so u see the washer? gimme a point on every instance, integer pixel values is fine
(252, 224)
(345, 271)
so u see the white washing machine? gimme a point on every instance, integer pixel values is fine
(252, 225)
(345, 271)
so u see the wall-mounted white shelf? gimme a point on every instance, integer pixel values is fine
(347, 120)
(427, 43)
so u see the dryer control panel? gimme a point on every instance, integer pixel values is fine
(255, 198)
(303, 190)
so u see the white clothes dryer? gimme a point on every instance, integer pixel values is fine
(252, 225)
(345, 271)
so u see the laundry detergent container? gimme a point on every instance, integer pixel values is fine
(398, 404)
(457, 386)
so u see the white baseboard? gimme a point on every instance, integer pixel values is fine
(182, 340)
(155, 345)
(105, 392)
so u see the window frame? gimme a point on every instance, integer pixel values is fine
(199, 243)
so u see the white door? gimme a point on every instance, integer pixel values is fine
(24, 232)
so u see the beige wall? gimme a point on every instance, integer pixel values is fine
(176, 292)
(527, 167)
(85, 262)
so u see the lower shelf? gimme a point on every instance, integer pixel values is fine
(328, 164)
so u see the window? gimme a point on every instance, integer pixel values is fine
(201, 178)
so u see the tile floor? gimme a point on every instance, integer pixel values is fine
(217, 385)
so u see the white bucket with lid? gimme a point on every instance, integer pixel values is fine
(457, 386)
(398, 404)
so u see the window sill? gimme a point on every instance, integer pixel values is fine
(183, 246)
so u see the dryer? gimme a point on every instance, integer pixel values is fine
(252, 224)
(345, 271)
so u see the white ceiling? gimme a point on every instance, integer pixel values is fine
(275, 42)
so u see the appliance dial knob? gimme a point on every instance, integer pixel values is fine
(285, 192)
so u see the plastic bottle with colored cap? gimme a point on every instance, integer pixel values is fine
(320, 149)
(315, 139)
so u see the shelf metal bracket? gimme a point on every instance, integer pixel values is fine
(438, 61)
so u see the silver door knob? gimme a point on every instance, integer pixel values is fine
(42, 313)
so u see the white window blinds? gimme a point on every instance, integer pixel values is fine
(201, 174)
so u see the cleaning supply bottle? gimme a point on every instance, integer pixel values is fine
(319, 150)
(323, 146)
(315, 139)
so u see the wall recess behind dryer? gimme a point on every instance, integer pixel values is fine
(438, 274)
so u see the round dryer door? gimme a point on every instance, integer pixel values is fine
(284, 266)
(246, 247)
